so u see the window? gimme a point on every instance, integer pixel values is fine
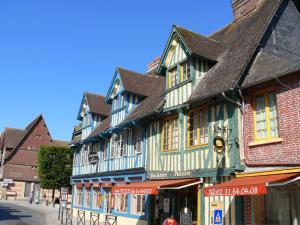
(87, 198)
(115, 104)
(173, 78)
(78, 196)
(122, 101)
(138, 204)
(137, 140)
(95, 148)
(97, 199)
(265, 116)
(185, 71)
(118, 145)
(121, 202)
(198, 127)
(105, 150)
(170, 135)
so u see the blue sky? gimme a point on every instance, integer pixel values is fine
(51, 51)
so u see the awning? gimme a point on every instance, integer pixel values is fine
(79, 185)
(248, 185)
(152, 187)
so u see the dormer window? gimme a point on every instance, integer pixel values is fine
(173, 77)
(185, 71)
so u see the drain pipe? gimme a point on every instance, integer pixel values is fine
(231, 100)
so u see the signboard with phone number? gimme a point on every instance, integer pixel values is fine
(236, 191)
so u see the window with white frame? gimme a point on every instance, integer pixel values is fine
(97, 198)
(78, 196)
(105, 150)
(118, 145)
(87, 198)
(138, 204)
(121, 202)
(122, 101)
(137, 140)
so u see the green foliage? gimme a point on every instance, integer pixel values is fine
(55, 167)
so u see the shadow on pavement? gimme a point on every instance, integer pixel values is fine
(11, 213)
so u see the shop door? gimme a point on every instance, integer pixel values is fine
(107, 200)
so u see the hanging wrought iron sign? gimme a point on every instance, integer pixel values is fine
(219, 144)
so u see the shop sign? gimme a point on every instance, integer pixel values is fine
(236, 191)
(186, 216)
(6, 182)
(170, 221)
(141, 191)
(93, 158)
(172, 174)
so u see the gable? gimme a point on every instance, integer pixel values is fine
(176, 53)
(116, 87)
(280, 51)
(83, 108)
(35, 137)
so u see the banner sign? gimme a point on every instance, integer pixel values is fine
(155, 175)
(136, 190)
(236, 191)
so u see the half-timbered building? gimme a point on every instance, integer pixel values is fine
(177, 138)
(114, 152)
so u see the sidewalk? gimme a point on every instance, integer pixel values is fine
(51, 213)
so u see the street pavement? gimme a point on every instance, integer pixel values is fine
(11, 214)
(23, 213)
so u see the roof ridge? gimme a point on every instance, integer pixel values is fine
(128, 70)
(13, 129)
(221, 29)
(200, 35)
(90, 93)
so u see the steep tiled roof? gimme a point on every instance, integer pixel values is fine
(278, 58)
(135, 82)
(200, 45)
(103, 126)
(61, 143)
(12, 136)
(152, 104)
(238, 43)
(97, 104)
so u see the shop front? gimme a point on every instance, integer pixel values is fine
(174, 200)
(268, 199)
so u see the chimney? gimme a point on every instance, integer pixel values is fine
(242, 8)
(153, 64)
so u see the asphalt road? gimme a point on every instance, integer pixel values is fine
(17, 215)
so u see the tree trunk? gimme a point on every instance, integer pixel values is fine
(53, 193)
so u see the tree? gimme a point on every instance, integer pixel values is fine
(54, 167)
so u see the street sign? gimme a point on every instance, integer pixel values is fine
(218, 217)
(7, 181)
